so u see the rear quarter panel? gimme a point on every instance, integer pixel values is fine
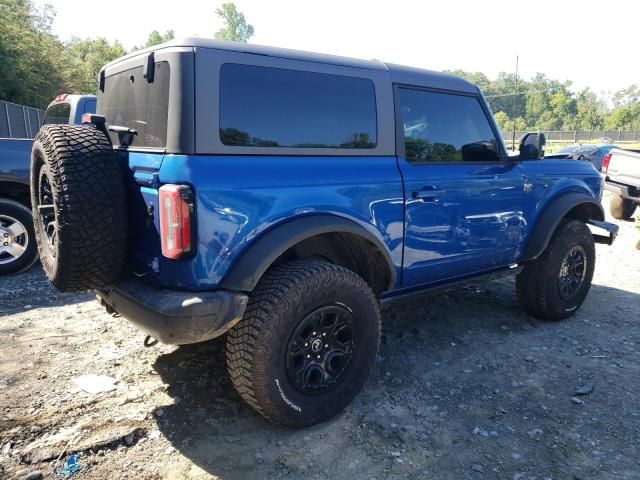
(238, 198)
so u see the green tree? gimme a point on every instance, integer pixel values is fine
(156, 38)
(624, 117)
(236, 27)
(31, 58)
(86, 58)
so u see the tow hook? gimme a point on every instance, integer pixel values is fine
(149, 341)
(110, 310)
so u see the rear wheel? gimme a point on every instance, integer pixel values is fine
(18, 249)
(306, 344)
(553, 286)
(78, 200)
(621, 208)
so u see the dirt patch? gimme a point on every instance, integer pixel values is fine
(465, 386)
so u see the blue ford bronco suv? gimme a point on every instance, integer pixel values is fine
(279, 197)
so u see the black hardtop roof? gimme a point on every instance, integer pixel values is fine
(399, 73)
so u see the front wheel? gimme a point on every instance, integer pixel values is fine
(306, 344)
(553, 286)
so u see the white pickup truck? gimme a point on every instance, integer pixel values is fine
(621, 170)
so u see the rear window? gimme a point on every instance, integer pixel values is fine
(274, 107)
(58, 113)
(130, 101)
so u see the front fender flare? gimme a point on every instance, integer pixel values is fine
(551, 217)
(260, 255)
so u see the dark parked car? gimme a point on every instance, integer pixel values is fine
(593, 153)
(279, 197)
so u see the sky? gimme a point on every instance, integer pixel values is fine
(593, 44)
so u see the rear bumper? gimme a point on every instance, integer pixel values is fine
(610, 228)
(627, 192)
(172, 316)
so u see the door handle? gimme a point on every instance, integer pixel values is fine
(429, 193)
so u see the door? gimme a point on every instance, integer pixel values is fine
(464, 200)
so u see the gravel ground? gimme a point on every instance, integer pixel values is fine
(465, 386)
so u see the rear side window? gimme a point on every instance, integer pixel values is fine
(274, 107)
(130, 101)
(58, 113)
(442, 127)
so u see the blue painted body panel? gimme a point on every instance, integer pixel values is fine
(15, 155)
(238, 198)
(480, 224)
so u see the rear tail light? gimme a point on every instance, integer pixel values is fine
(605, 162)
(176, 220)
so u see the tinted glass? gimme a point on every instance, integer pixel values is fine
(130, 101)
(274, 107)
(568, 149)
(58, 113)
(440, 127)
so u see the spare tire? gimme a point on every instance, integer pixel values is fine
(79, 207)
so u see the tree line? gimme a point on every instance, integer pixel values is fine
(545, 104)
(35, 65)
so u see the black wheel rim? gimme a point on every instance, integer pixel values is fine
(321, 348)
(572, 272)
(46, 210)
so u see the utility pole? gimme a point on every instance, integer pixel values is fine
(515, 109)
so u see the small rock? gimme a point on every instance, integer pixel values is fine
(585, 389)
(169, 450)
(480, 431)
(94, 384)
(129, 439)
(535, 432)
(259, 457)
(6, 449)
(159, 412)
(529, 359)
(516, 456)
(154, 435)
(577, 401)
(476, 467)
(35, 475)
(395, 454)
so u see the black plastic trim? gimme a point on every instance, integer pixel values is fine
(175, 317)
(551, 218)
(254, 262)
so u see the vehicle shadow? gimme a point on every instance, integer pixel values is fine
(31, 289)
(464, 344)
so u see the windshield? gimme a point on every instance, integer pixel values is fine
(130, 101)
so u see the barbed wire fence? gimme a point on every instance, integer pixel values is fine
(19, 121)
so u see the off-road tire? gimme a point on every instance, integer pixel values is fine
(256, 346)
(538, 285)
(621, 208)
(86, 183)
(10, 209)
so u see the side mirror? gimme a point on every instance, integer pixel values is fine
(532, 146)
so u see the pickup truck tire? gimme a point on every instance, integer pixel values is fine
(18, 250)
(78, 201)
(553, 286)
(306, 344)
(621, 208)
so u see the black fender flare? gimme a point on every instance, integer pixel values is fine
(244, 274)
(551, 217)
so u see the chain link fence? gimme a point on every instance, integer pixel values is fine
(18, 121)
(578, 136)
